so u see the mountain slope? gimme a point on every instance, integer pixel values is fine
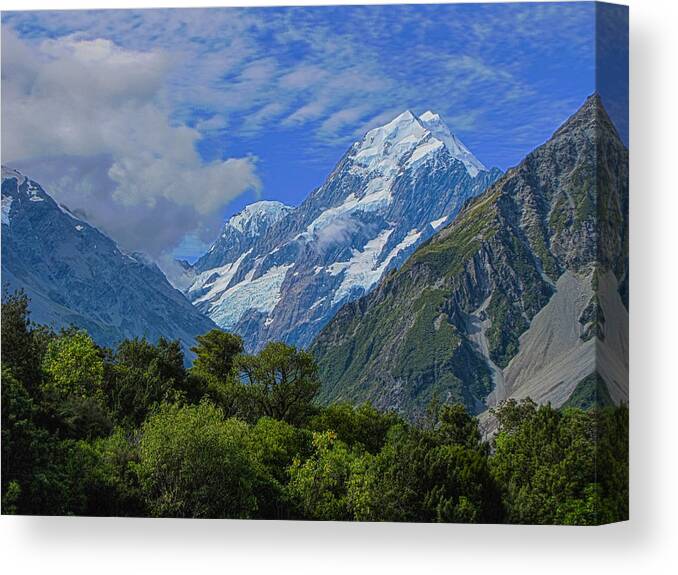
(524, 294)
(241, 233)
(390, 192)
(74, 274)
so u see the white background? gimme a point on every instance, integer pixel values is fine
(646, 544)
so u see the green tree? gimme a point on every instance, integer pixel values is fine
(21, 349)
(106, 474)
(38, 476)
(281, 382)
(193, 463)
(273, 446)
(216, 352)
(170, 359)
(457, 427)
(25, 447)
(73, 386)
(547, 462)
(435, 474)
(612, 463)
(74, 367)
(142, 376)
(392, 485)
(362, 425)
(460, 487)
(213, 373)
(319, 485)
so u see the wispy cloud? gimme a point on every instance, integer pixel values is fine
(232, 76)
(306, 65)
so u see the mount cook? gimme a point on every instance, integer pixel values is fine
(281, 273)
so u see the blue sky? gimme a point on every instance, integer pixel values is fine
(172, 120)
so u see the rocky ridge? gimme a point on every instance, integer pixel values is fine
(524, 294)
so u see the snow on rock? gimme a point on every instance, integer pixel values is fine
(318, 302)
(239, 234)
(372, 201)
(34, 193)
(435, 125)
(362, 270)
(254, 217)
(366, 267)
(260, 294)
(410, 239)
(6, 207)
(423, 151)
(383, 148)
(435, 224)
(384, 152)
(216, 279)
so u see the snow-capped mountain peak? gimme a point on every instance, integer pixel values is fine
(437, 127)
(383, 148)
(252, 217)
(391, 191)
(240, 233)
(402, 126)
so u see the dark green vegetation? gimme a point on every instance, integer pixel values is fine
(590, 392)
(131, 432)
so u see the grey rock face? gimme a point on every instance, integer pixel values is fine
(389, 193)
(74, 274)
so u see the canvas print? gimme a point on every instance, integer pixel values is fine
(348, 263)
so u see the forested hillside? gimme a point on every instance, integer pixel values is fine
(131, 432)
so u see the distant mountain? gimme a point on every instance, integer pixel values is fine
(240, 234)
(524, 294)
(74, 274)
(277, 273)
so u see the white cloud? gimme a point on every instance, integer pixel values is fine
(76, 99)
(342, 118)
(303, 77)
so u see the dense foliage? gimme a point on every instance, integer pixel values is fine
(132, 432)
